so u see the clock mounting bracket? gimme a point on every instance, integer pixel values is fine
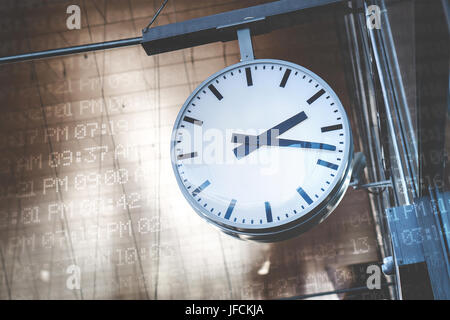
(245, 44)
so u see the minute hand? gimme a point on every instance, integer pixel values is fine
(292, 143)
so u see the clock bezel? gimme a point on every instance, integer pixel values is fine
(293, 228)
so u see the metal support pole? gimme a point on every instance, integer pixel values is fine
(379, 61)
(245, 44)
(71, 50)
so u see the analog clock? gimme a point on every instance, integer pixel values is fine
(263, 150)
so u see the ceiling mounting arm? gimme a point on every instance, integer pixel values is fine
(259, 19)
(245, 44)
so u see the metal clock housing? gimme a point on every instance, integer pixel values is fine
(313, 175)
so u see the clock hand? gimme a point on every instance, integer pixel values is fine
(280, 128)
(251, 144)
(253, 140)
(285, 125)
(305, 144)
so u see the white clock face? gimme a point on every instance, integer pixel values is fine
(262, 146)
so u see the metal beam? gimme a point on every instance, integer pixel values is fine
(223, 26)
(219, 27)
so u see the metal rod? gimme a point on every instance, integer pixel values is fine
(377, 184)
(71, 50)
(390, 120)
(155, 16)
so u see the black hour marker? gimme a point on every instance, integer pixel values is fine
(215, 92)
(287, 73)
(187, 155)
(304, 195)
(331, 128)
(248, 74)
(230, 209)
(200, 188)
(327, 164)
(316, 96)
(268, 212)
(193, 121)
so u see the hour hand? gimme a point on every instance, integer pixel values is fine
(268, 135)
(249, 143)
